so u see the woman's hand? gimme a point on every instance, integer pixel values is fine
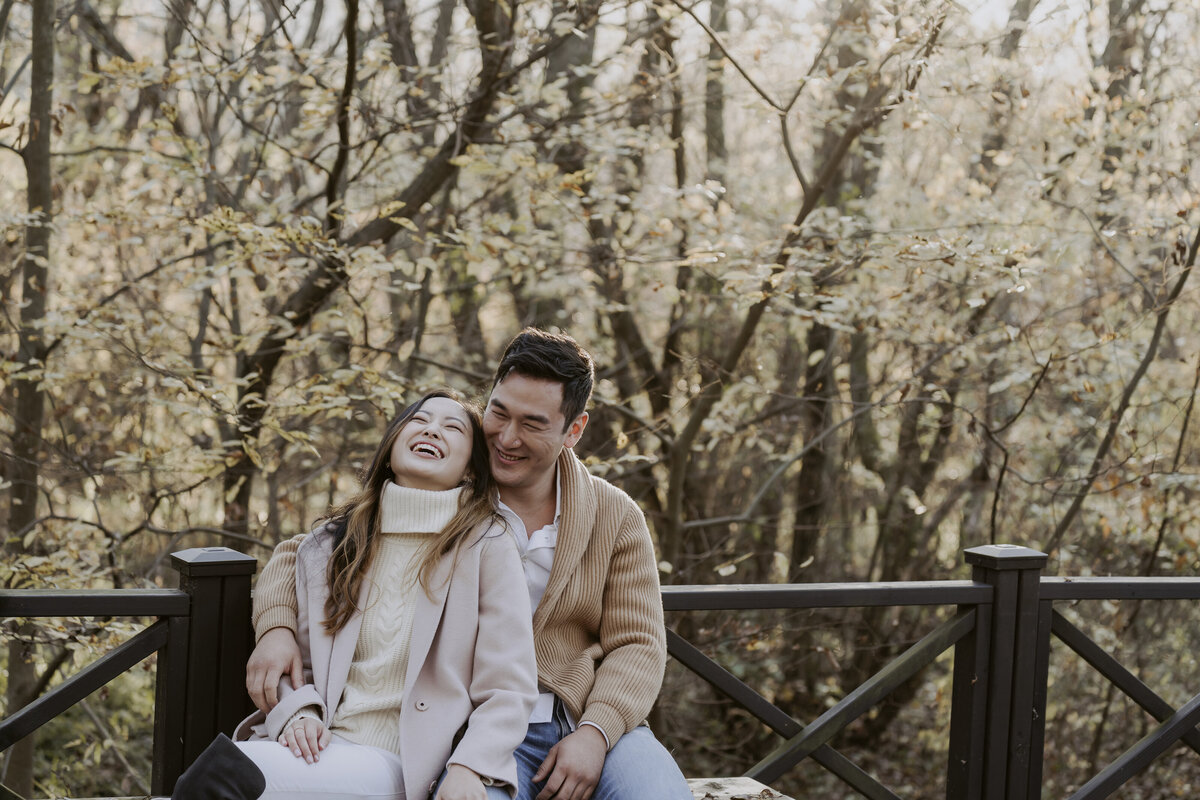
(461, 783)
(306, 738)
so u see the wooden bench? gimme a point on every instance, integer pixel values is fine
(732, 789)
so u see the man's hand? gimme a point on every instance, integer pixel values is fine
(462, 783)
(276, 655)
(573, 765)
(306, 738)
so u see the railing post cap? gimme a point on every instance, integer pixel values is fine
(205, 561)
(1005, 556)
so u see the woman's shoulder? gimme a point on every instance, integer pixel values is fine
(491, 534)
(321, 538)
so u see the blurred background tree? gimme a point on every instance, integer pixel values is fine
(867, 284)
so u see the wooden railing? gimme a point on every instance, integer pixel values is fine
(1001, 631)
(1000, 627)
(202, 637)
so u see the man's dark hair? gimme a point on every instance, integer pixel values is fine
(552, 357)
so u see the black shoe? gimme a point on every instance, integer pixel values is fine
(221, 772)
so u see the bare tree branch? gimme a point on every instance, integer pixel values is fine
(1114, 423)
(870, 112)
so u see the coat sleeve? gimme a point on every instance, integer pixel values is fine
(503, 685)
(275, 603)
(632, 635)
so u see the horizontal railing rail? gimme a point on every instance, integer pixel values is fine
(93, 603)
(740, 597)
(1164, 588)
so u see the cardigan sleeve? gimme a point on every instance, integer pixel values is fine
(275, 592)
(305, 701)
(503, 684)
(632, 634)
(294, 703)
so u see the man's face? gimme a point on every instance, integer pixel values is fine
(524, 426)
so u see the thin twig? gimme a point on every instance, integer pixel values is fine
(747, 514)
(712, 35)
(111, 296)
(239, 537)
(1099, 237)
(107, 736)
(1126, 397)
(1016, 415)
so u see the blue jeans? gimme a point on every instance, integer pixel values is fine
(493, 792)
(638, 767)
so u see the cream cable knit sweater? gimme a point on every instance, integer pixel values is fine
(369, 710)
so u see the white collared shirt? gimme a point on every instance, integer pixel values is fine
(537, 557)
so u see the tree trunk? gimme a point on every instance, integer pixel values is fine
(814, 489)
(1000, 115)
(1117, 60)
(714, 97)
(28, 399)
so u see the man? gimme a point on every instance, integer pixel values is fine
(593, 583)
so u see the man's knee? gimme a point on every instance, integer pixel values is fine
(638, 767)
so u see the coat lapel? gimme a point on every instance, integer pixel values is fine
(427, 616)
(578, 508)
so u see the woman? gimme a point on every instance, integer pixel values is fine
(415, 630)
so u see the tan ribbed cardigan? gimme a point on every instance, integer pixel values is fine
(598, 631)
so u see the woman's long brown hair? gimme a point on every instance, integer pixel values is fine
(355, 524)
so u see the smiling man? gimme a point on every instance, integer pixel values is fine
(593, 584)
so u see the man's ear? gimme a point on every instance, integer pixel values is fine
(575, 430)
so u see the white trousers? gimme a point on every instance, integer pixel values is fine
(345, 771)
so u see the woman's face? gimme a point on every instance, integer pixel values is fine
(433, 448)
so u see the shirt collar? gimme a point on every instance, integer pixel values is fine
(557, 501)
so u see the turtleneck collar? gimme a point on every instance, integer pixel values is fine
(404, 510)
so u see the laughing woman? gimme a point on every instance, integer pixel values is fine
(414, 627)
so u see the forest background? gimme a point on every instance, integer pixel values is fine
(867, 283)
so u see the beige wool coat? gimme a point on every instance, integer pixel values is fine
(471, 662)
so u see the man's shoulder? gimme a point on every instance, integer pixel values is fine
(610, 494)
(601, 490)
(600, 505)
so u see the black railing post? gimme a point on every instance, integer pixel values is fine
(202, 690)
(998, 708)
